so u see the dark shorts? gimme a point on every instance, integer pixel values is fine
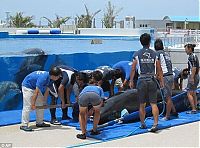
(168, 84)
(89, 98)
(147, 90)
(193, 87)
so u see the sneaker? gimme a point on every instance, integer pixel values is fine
(191, 112)
(165, 118)
(153, 129)
(81, 136)
(94, 132)
(143, 126)
(43, 125)
(55, 122)
(66, 118)
(26, 128)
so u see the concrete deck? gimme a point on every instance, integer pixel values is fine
(64, 136)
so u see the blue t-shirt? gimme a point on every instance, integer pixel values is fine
(93, 88)
(40, 79)
(125, 67)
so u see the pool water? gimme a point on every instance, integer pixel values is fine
(67, 46)
(77, 53)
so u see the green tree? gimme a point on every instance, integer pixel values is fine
(85, 20)
(110, 15)
(19, 20)
(57, 22)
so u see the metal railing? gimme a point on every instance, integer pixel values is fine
(180, 38)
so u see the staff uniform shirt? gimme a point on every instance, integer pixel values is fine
(125, 67)
(166, 63)
(40, 79)
(66, 74)
(146, 61)
(193, 61)
(93, 88)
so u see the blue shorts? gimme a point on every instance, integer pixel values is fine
(89, 98)
(147, 90)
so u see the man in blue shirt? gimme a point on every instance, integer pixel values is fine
(35, 92)
(148, 67)
(91, 95)
(125, 69)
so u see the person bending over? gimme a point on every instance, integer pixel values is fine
(35, 92)
(92, 94)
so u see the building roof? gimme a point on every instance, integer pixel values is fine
(182, 18)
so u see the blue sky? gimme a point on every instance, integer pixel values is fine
(141, 9)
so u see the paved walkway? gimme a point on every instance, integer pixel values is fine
(63, 136)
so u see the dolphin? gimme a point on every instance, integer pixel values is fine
(180, 101)
(37, 51)
(128, 100)
(35, 60)
(8, 89)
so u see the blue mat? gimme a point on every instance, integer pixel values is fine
(107, 133)
(124, 130)
(14, 116)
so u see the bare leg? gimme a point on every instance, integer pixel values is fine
(155, 113)
(168, 107)
(195, 99)
(82, 119)
(96, 117)
(142, 113)
(173, 108)
(191, 100)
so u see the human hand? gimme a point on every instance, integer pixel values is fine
(33, 107)
(131, 84)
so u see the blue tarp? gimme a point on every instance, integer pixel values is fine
(124, 130)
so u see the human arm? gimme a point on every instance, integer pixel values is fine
(132, 74)
(69, 90)
(159, 73)
(193, 71)
(181, 84)
(112, 87)
(61, 94)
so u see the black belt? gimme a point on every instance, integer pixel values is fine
(167, 74)
(146, 77)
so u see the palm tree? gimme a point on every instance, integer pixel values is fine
(21, 21)
(110, 15)
(85, 20)
(57, 22)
